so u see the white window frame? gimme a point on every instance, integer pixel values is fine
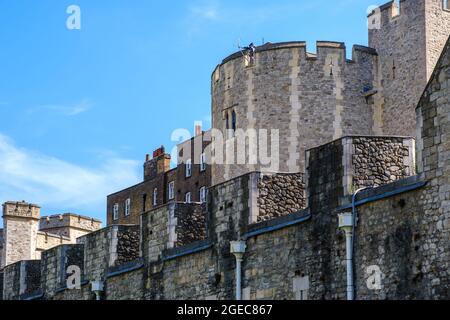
(189, 168)
(171, 190)
(202, 194)
(203, 162)
(155, 197)
(127, 207)
(116, 211)
(188, 197)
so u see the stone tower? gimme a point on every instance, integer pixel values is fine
(288, 100)
(21, 224)
(409, 36)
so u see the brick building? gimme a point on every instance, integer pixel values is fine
(187, 182)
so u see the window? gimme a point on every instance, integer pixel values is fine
(155, 197)
(203, 194)
(116, 211)
(172, 190)
(188, 168)
(233, 121)
(188, 197)
(446, 4)
(127, 207)
(227, 121)
(203, 162)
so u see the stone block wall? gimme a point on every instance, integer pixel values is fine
(1, 285)
(11, 281)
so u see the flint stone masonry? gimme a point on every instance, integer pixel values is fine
(280, 194)
(377, 161)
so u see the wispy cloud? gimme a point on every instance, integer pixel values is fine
(66, 110)
(46, 180)
(207, 11)
(201, 13)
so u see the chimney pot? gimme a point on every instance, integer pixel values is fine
(198, 130)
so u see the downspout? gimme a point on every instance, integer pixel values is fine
(347, 223)
(237, 248)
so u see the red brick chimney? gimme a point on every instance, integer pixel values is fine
(198, 130)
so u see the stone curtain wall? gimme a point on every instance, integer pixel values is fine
(1, 285)
(11, 281)
(191, 223)
(128, 244)
(280, 194)
(378, 161)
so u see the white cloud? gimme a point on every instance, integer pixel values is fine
(51, 182)
(67, 110)
(206, 11)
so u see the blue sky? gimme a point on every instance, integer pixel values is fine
(79, 109)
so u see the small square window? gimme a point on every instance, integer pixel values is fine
(446, 5)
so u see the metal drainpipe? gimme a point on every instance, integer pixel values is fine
(237, 248)
(347, 222)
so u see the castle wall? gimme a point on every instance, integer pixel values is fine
(11, 281)
(55, 267)
(280, 92)
(105, 250)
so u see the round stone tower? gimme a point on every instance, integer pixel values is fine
(281, 100)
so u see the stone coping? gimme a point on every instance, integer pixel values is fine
(277, 224)
(385, 191)
(125, 268)
(186, 250)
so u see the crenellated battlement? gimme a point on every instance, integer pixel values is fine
(323, 48)
(21, 210)
(68, 220)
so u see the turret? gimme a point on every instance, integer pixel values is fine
(408, 36)
(20, 221)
